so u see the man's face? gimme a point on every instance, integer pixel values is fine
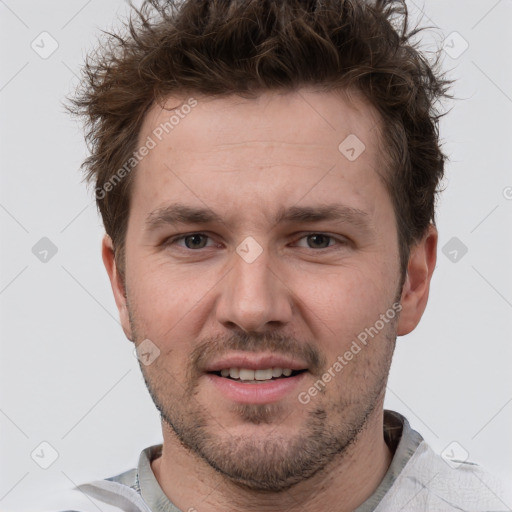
(263, 282)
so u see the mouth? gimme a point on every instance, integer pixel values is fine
(248, 375)
(256, 378)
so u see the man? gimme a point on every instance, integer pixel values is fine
(266, 173)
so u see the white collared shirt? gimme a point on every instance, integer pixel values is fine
(417, 480)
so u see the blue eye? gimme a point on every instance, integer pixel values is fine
(195, 241)
(191, 241)
(319, 241)
(198, 241)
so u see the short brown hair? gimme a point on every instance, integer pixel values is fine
(221, 47)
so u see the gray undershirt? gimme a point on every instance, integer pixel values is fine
(401, 439)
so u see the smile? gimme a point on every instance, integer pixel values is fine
(247, 374)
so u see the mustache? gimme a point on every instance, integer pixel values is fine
(275, 342)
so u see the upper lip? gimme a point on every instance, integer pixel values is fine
(255, 362)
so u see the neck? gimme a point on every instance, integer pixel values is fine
(343, 485)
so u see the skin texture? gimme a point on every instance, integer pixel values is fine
(305, 297)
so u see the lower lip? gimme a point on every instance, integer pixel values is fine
(259, 392)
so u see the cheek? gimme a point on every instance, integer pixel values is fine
(347, 300)
(162, 299)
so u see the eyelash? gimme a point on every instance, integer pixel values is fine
(342, 242)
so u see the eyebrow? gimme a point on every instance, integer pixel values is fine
(182, 214)
(329, 212)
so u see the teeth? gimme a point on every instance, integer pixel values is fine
(277, 372)
(263, 374)
(247, 374)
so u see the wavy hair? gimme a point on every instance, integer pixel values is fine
(223, 47)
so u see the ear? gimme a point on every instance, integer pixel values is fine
(422, 261)
(118, 287)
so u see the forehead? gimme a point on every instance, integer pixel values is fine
(298, 117)
(260, 147)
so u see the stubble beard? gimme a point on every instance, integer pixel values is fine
(273, 462)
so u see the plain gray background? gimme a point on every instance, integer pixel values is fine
(68, 376)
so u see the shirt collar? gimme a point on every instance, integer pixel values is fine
(398, 434)
(403, 441)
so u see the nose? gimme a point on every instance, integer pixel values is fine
(253, 296)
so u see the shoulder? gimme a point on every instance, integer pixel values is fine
(114, 494)
(429, 482)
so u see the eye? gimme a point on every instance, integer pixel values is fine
(191, 241)
(319, 241)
